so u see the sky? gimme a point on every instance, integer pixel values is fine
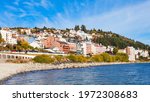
(130, 18)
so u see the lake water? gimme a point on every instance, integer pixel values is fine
(126, 74)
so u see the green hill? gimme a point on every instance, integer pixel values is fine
(109, 38)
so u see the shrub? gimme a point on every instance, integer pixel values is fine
(106, 57)
(17, 61)
(77, 58)
(115, 51)
(97, 58)
(112, 58)
(122, 57)
(81, 58)
(72, 58)
(43, 59)
(59, 58)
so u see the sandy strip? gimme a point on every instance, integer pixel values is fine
(9, 69)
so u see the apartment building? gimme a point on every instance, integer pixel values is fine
(131, 53)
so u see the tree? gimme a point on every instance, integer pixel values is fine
(35, 30)
(44, 28)
(94, 31)
(24, 33)
(18, 30)
(106, 57)
(81, 58)
(72, 58)
(83, 28)
(1, 48)
(77, 58)
(18, 48)
(23, 44)
(115, 51)
(67, 29)
(9, 46)
(97, 58)
(77, 27)
(122, 57)
(0, 36)
(43, 59)
(1, 39)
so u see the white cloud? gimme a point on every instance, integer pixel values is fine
(124, 17)
(7, 19)
(16, 2)
(11, 8)
(45, 22)
(55, 22)
(46, 4)
(43, 3)
(131, 21)
(31, 3)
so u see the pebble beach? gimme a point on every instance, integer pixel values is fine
(9, 69)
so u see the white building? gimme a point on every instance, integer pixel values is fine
(122, 51)
(110, 48)
(73, 32)
(84, 35)
(138, 53)
(131, 53)
(144, 54)
(84, 48)
(94, 49)
(8, 36)
(28, 31)
(36, 44)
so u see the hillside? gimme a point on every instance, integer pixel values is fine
(106, 38)
(109, 38)
(113, 39)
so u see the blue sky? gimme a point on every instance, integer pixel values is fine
(130, 18)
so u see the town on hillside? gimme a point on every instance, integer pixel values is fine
(61, 42)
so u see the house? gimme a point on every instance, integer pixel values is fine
(26, 30)
(36, 44)
(85, 48)
(72, 46)
(94, 48)
(101, 49)
(144, 54)
(110, 48)
(50, 42)
(122, 51)
(9, 36)
(84, 36)
(131, 53)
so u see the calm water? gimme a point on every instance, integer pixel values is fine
(128, 74)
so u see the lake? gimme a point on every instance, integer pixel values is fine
(123, 74)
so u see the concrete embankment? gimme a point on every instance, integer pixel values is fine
(9, 69)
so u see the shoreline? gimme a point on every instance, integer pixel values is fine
(8, 70)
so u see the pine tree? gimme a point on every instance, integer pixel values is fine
(77, 27)
(83, 28)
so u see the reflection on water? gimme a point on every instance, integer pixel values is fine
(135, 74)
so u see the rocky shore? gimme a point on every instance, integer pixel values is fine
(9, 69)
